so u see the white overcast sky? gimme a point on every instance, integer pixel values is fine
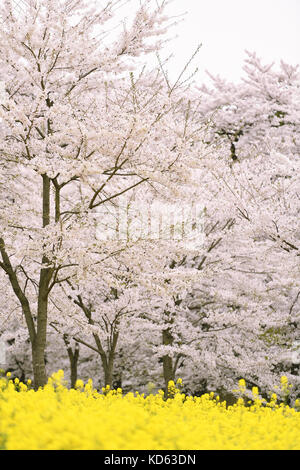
(226, 28)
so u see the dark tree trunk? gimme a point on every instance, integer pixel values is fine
(168, 368)
(40, 341)
(73, 356)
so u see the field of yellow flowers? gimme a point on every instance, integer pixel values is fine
(59, 418)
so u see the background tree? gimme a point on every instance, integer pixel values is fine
(260, 114)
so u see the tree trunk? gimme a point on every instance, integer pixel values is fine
(168, 369)
(107, 359)
(40, 341)
(73, 356)
(108, 375)
(38, 363)
(108, 366)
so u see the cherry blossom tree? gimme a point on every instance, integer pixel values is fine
(254, 128)
(260, 114)
(63, 152)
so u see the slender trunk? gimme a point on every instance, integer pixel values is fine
(111, 356)
(57, 199)
(46, 200)
(38, 363)
(108, 359)
(73, 357)
(108, 366)
(168, 369)
(108, 376)
(57, 204)
(39, 344)
(74, 373)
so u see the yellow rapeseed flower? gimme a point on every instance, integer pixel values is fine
(242, 383)
(57, 418)
(79, 384)
(283, 380)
